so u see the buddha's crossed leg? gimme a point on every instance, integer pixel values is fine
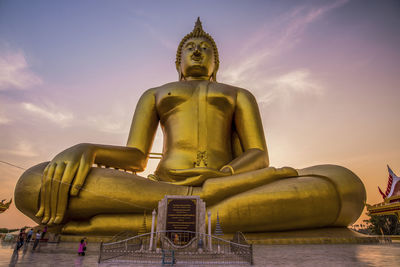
(264, 200)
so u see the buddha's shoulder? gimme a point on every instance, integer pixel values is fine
(171, 85)
(215, 85)
(237, 90)
(167, 86)
(155, 90)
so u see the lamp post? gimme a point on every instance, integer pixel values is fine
(152, 229)
(209, 231)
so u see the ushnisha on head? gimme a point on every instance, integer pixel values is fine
(197, 55)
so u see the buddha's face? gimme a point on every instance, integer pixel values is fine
(197, 59)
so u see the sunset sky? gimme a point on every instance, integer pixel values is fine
(326, 75)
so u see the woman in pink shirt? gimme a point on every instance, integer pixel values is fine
(82, 247)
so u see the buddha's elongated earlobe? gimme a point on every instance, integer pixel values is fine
(181, 77)
(213, 76)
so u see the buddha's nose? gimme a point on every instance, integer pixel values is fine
(197, 52)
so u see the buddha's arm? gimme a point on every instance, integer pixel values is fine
(251, 134)
(118, 157)
(216, 189)
(134, 156)
(144, 123)
(70, 167)
(249, 169)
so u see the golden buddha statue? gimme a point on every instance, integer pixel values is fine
(214, 147)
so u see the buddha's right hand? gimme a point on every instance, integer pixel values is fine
(67, 170)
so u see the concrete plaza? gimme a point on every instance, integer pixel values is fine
(264, 255)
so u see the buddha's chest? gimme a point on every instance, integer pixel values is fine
(196, 100)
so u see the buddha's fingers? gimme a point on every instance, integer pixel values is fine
(287, 172)
(197, 171)
(47, 198)
(42, 193)
(69, 173)
(192, 181)
(85, 165)
(55, 185)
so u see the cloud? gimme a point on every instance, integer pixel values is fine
(4, 120)
(108, 124)
(143, 18)
(15, 72)
(160, 37)
(22, 148)
(296, 81)
(115, 121)
(275, 38)
(271, 41)
(302, 16)
(62, 119)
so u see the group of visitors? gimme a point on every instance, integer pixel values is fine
(25, 238)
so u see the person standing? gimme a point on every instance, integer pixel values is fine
(21, 238)
(29, 236)
(37, 239)
(82, 247)
(44, 232)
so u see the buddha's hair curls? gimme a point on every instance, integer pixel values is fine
(197, 32)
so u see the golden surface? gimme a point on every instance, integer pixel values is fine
(207, 127)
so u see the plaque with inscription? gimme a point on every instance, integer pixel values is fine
(181, 217)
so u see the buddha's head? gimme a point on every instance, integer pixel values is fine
(197, 55)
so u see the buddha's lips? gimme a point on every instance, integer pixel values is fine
(197, 58)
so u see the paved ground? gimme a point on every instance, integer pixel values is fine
(264, 255)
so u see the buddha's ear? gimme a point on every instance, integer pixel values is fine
(213, 76)
(179, 70)
(181, 77)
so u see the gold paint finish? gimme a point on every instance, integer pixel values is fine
(214, 147)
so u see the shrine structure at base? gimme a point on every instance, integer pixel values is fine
(391, 198)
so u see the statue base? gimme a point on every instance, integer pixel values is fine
(334, 235)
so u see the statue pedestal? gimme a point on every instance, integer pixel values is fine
(339, 235)
(181, 221)
(334, 235)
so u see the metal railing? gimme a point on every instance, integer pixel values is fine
(122, 236)
(201, 249)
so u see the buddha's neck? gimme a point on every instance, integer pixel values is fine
(197, 78)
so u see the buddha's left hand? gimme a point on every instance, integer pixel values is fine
(196, 176)
(68, 169)
(198, 171)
